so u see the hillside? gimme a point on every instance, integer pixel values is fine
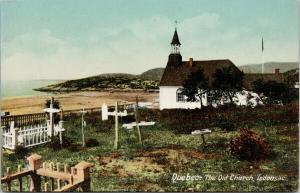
(147, 80)
(153, 74)
(269, 67)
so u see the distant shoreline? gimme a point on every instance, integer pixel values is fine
(72, 100)
(55, 93)
(62, 91)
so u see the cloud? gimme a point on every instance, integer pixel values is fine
(42, 55)
(39, 55)
(133, 47)
(41, 41)
(205, 20)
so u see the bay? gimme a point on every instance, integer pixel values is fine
(22, 88)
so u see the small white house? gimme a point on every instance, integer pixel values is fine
(176, 73)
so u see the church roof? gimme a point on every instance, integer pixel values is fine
(175, 40)
(175, 75)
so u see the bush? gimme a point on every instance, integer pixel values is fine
(91, 142)
(56, 105)
(227, 117)
(250, 146)
(55, 143)
(275, 92)
(226, 124)
(21, 151)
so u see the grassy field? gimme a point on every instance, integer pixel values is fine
(151, 166)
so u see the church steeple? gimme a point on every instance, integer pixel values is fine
(175, 58)
(175, 40)
(175, 44)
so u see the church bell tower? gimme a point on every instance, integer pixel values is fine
(175, 44)
(175, 57)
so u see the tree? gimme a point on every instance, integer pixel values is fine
(227, 82)
(195, 86)
(273, 92)
(56, 104)
(291, 77)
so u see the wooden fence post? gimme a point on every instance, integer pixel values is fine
(116, 143)
(52, 184)
(58, 184)
(137, 119)
(82, 127)
(66, 168)
(35, 162)
(46, 188)
(8, 184)
(20, 179)
(83, 173)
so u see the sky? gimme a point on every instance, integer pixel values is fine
(68, 39)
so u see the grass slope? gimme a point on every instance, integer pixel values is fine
(151, 167)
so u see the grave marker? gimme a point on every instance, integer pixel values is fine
(83, 124)
(201, 132)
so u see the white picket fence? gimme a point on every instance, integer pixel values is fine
(28, 136)
(7, 139)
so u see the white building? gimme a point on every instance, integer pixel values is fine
(176, 73)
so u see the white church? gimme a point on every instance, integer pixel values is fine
(177, 71)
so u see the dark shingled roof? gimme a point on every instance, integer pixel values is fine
(177, 71)
(175, 40)
(175, 75)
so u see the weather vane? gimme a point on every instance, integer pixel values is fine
(176, 22)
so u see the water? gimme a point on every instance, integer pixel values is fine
(21, 88)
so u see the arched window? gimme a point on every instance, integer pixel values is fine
(179, 96)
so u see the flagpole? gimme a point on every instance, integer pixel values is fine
(263, 63)
(263, 57)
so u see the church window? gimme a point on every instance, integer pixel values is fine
(179, 96)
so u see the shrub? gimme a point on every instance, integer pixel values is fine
(91, 142)
(275, 92)
(56, 105)
(20, 151)
(249, 146)
(226, 124)
(107, 125)
(55, 143)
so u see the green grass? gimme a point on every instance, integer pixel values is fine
(283, 138)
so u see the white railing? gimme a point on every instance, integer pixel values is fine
(7, 140)
(33, 135)
(29, 136)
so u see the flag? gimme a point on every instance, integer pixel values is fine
(262, 44)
